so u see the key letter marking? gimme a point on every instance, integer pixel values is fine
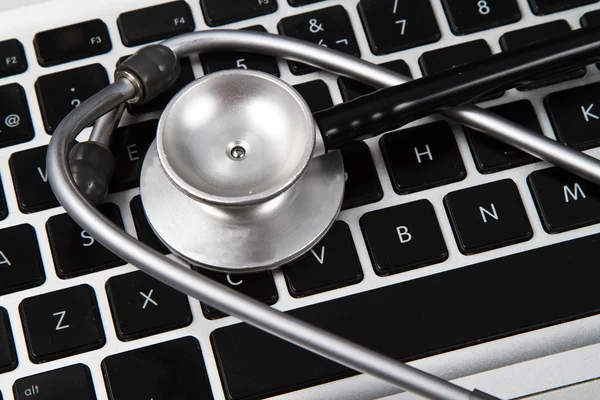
(574, 194)
(587, 113)
(403, 234)
(59, 326)
(321, 259)
(492, 213)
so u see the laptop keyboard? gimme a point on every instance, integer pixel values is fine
(447, 239)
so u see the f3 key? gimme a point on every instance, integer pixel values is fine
(73, 42)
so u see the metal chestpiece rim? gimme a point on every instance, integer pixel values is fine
(236, 138)
(204, 214)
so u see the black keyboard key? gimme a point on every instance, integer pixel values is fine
(352, 89)
(259, 286)
(159, 103)
(3, 206)
(74, 251)
(15, 120)
(477, 16)
(575, 115)
(221, 12)
(59, 93)
(213, 62)
(362, 183)
(169, 370)
(316, 94)
(591, 19)
(329, 27)
(422, 157)
(20, 261)
(72, 382)
(28, 170)
(62, 323)
(491, 155)
(8, 354)
(129, 146)
(564, 201)
(420, 318)
(398, 25)
(298, 3)
(143, 228)
(330, 264)
(523, 37)
(543, 7)
(155, 23)
(12, 58)
(142, 306)
(487, 217)
(403, 237)
(73, 42)
(439, 60)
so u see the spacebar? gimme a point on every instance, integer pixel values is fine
(414, 319)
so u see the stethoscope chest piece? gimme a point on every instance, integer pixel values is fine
(231, 182)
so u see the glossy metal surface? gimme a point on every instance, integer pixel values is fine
(343, 64)
(244, 239)
(235, 138)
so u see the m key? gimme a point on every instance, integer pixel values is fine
(488, 216)
(564, 201)
(62, 323)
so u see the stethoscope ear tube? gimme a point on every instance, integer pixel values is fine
(392, 107)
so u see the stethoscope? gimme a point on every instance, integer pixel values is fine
(242, 177)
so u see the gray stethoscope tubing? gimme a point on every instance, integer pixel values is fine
(226, 299)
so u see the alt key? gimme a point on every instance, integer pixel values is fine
(73, 382)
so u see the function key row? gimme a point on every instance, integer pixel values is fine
(410, 25)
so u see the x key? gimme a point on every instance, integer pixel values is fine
(142, 306)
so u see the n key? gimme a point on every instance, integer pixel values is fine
(564, 201)
(61, 323)
(488, 216)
